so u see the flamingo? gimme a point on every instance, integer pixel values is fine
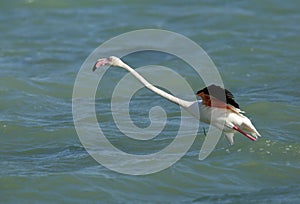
(230, 118)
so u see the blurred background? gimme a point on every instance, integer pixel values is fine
(255, 46)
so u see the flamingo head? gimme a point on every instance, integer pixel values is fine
(111, 61)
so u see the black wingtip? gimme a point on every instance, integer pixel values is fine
(218, 92)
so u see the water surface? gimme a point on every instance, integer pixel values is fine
(255, 46)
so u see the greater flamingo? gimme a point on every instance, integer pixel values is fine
(231, 118)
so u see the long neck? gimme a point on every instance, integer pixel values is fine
(156, 90)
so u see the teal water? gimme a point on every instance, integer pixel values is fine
(254, 44)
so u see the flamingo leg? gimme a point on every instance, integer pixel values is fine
(244, 133)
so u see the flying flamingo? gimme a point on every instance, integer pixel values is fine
(230, 117)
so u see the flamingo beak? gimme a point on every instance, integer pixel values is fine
(100, 62)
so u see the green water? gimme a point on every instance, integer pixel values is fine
(254, 44)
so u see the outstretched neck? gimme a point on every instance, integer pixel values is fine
(156, 90)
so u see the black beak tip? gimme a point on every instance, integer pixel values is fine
(94, 67)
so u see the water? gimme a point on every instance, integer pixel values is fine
(255, 46)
